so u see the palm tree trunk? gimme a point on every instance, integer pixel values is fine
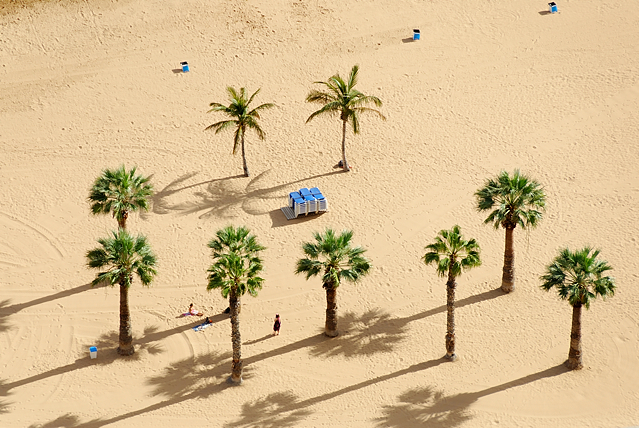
(508, 276)
(344, 161)
(246, 171)
(330, 328)
(125, 346)
(235, 304)
(450, 317)
(122, 220)
(574, 356)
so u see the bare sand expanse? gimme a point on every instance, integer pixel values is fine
(492, 85)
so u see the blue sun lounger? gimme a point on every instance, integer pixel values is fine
(305, 202)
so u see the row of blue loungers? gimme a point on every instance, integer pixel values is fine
(307, 201)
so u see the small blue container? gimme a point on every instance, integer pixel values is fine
(552, 7)
(185, 66)
(94, 352)
(416, 34)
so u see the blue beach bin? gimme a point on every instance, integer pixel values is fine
(552, 7)
(185, 66)
(415, 34)
(94, 352)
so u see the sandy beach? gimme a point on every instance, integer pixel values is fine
(491, 86)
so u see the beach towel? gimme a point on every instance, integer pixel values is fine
(201, 326)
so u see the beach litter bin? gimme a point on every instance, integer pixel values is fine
(94, 352)
(415, 34)
(185, 66)
(552, 7)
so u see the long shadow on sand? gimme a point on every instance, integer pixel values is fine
(202, 377)
(430, 408)
(160, 205)
(107, 345)
(470, 300)
(221, 199)
(6, 310)
(197, 377)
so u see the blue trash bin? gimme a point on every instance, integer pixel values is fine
(185, 66)
(415, 34)
(552, 7)
(94, 352)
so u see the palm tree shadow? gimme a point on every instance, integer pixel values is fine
(107, 348)
(65, 421)
(421, 407)
(151, 333)
(364, 334)
(269, 412)
(426, 407)
(470, 300)
(221, 198)
(361, 335)
(160, 204)
(4, 405)
(198, 377)
(6, 309)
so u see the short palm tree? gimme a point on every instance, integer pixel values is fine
(235, 270)
(451, 254)
(578, 277)
(242, 118)
(514, 201)
(334, 257)
(341, 97)
(123, 255)
(119, 192)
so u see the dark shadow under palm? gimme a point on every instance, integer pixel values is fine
(270, 412)
(106, 344)
(365, 334)
(222, 197)
(427, 407)
(422, 407)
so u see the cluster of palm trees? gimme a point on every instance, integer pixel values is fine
(339, 97)
(235, 251)
(515, 201)
(511, 201)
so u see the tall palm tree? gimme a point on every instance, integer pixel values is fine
(235, 270)
(123, 255)
(119, 192)
(334, 257)
(451, 254)
(514, 201)
(579, 278)
(243, 118)
(341, 97)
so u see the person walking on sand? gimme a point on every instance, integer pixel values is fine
(277, 325)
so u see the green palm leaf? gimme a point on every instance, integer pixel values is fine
(340, 97)
(119, 192)
(242, 116)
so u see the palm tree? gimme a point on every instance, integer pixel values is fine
(123, 255)
(579, 278)
(342, 97)
(243, 118)
(451, 254)
(235, 271)
(334, 257)
(516, 200)
(119, 192)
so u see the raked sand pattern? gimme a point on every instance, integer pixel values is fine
(490, 86)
